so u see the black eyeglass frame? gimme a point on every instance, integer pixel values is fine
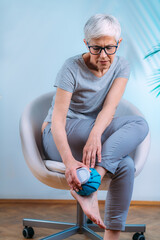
(102, 48)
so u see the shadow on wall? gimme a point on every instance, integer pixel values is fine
(155, 78)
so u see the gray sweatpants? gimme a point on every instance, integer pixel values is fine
(119, 139)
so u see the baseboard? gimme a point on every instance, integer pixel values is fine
(145, 203)
(69, 201)
(39, 201)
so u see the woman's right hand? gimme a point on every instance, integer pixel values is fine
(71, 174)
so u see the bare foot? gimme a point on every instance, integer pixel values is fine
(89, 204)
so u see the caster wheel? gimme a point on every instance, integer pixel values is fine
(28, 232)
(89, 221)
(138, 236)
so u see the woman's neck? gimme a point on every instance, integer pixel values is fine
(97, 72)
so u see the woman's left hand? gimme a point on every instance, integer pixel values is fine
(92, 149)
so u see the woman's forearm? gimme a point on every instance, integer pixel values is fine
(113, 97)
(103, 120)
(60, 139)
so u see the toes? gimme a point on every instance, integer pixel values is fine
(99, 222)
(92, 218)
(102, 225)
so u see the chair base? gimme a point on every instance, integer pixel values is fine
(80, 227)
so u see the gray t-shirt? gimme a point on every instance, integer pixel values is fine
(89, 91)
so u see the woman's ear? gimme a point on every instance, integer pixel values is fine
(84, 40)
(119, 42)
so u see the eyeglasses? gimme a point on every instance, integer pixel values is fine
(109, 50)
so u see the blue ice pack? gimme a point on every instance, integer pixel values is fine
(92, 184)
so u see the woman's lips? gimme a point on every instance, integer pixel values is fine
(103, 62)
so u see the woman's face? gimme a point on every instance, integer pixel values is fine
(102, 61)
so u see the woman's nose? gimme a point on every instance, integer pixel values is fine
(103, 54)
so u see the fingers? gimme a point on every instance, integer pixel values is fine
(99, 154)
(72, 179)
(93, 159)
(86, 158)
(89, 157)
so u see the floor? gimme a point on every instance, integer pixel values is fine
(11, 215)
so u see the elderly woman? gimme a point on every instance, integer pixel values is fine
(81, 130)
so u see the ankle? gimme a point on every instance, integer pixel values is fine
(102, 171)
(111, 234)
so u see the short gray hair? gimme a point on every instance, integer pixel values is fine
(102, 25)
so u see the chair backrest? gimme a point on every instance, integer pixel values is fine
(30, 131)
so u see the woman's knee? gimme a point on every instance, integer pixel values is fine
(127, 167)
(142, 126)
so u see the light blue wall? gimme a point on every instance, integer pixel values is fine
(36, 38)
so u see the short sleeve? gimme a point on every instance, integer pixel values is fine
(124, 69)
(65, 78)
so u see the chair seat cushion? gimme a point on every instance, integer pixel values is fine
(55, 166)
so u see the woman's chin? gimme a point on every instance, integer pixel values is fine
(104, 66)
